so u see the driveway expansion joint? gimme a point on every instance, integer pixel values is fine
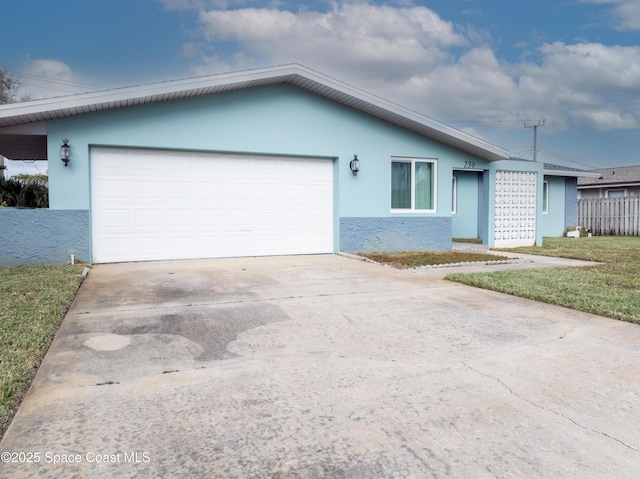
(161, 306)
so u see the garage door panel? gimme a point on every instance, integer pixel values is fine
(177, 190)
(143, 159)
(116, 166)
(208, 190)
(148, 248)
(115, 219)
(268, 218)
(237, 170)
(114, 247)
(178, 219)
(144, 218)
(114, 188)
(318, 192)
(175, 205)
(146, 189)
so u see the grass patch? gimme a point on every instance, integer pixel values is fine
(611, 289)
(415, 259)
(467, 240)
(33, 302)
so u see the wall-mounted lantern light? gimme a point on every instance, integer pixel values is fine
(65, 152)
(354, 165)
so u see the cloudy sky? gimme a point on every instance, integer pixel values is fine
(484, 66)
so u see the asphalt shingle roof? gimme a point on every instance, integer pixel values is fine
(613, 176)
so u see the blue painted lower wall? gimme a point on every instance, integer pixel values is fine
(43, 236)
(388, 235)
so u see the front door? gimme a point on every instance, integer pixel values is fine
(467, 204)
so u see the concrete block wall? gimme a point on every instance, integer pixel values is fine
(43, 236)
(390, 235)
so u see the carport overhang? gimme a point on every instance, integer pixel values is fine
(24, 142)
(19, 141)
(570, 173)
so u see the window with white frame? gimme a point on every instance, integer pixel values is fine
(545, 197)
(413, 184)
(618, 193)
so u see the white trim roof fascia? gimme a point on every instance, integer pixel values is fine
(572, 173)
(60, 107)
(608, 185)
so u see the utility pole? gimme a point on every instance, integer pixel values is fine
(535, 127)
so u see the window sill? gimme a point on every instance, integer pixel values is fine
(409, 211)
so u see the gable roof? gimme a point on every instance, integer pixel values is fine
(612, 176)
(15, 117)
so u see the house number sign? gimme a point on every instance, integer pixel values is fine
(469, 164)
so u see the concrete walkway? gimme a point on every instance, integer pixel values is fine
(324, 367)
(518, 261)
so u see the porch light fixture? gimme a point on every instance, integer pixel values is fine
(354, 165)
(65, 152)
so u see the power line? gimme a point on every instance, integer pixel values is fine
(483, 122)
(566, 158)
(53, 84)
(522, 153)
(49, 88)
(55, 80)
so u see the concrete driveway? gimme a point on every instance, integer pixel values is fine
(324, 367)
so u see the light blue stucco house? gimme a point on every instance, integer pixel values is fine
(261, 162)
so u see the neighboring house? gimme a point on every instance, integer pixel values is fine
(260, 163)
(560, 199)
(611, 183)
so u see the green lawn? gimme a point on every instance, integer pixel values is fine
(611, 289)
(33, 300)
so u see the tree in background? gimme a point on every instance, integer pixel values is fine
(8, 87)
(25, 191)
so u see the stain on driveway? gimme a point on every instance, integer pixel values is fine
(324, 367)
(212, 329)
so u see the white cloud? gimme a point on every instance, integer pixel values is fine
(594, 119)
(573, 82)
(386, 50)
(625, 12)
(412, 56)
(363, 40)
(475, 83)
(42, 78)
(594, 67)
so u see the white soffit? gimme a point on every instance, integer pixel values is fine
(60, 107)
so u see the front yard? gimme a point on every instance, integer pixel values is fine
(32, 303)
(611, 289)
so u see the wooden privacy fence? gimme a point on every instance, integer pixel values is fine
(611, 216)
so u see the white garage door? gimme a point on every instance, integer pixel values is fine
(151, 205)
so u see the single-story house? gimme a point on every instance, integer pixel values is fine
(616, 182)
(270, 161)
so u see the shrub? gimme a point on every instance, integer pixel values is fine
(25, 191)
